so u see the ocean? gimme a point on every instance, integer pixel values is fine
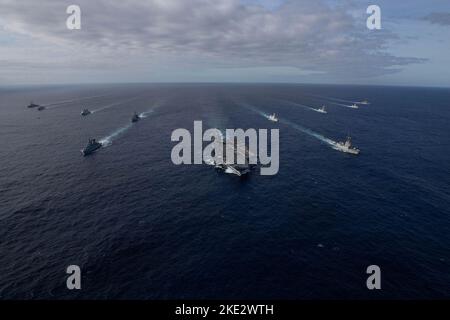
(141, 227)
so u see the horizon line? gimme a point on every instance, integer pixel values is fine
(218, 83)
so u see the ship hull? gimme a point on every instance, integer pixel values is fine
(90, 151)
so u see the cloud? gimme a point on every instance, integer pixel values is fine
(307, 35)
(439, 18)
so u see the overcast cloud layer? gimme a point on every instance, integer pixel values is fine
(133, 40)
(440, 18)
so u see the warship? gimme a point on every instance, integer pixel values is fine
(91, 147)
(347, 147)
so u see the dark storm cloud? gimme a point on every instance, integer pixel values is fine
(440, 18)
(309, 35)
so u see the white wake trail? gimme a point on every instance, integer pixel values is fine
(254, 109)
(332, 99)
(107, 141)
(310, 132)
(114, 104)
(145, 114)
(63, 102)
(298, 127)
(299, 105)
(342, 105)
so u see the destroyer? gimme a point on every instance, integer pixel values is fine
(85, 112)
(321, 110)
(347, 147)
(273, 118)
(135, 117)
(32, 105)
(91, 147)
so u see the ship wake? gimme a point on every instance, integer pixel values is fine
(108, 140)
(332, 99)
(255, 110)
(333, 144)
(298, 105)
(114, 104)
(311, 133)
(342, 105)
(64, 102)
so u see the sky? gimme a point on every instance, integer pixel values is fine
(276, 41)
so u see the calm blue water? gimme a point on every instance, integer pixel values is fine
(141, 228)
